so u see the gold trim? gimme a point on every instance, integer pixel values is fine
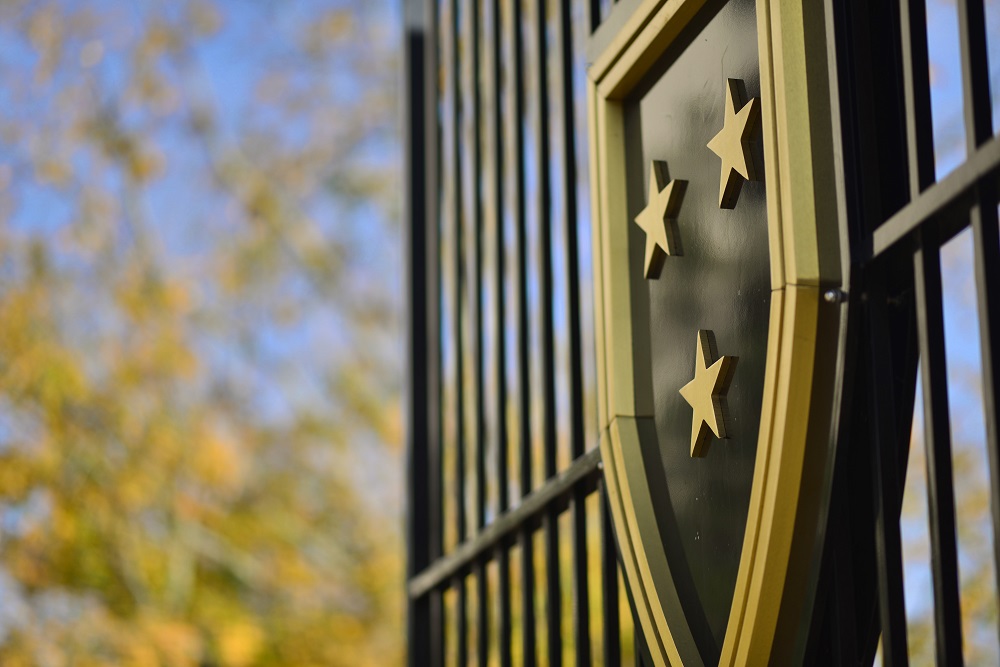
(801, 118)
(598, 256)
(805, 255)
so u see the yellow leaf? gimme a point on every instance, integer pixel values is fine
(240, 643)
(218, 460)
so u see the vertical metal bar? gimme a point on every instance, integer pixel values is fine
(498, 207)
(885, 470)
(609, 584)
(453, 67)
(527, 597)
(563, 78)
(458, 267)
(593, 9)
(581, 593)
(504, 638)
(433, 350)
(986, 241)
(986, 264)
(482, 615)
(473, 83)
(569, 184)
(844, 615)
(937, 438)
(516, 134)
(543, 199)
(975, 73)
(930, 326)
(472, 70)
(917, 95)
(521, 241)
(493, 74)
(462, 624)
(438, 629)
(418, 398)
(553, 589)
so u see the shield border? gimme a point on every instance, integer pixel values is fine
(783, 540)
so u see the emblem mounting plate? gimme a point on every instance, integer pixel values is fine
(797, 418)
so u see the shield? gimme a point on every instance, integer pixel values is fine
(717, 258)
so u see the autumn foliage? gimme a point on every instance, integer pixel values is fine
(199, 355)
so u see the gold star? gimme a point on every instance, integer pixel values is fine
(735, 142)
(706, 393)
(655, 219)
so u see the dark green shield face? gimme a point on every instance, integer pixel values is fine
(715, 279)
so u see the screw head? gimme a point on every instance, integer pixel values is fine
(834, 296)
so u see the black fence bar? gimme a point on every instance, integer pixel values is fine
(482, 614)
(581, 593)
(983, 220)
(553, 589)
(917, 95)
(518, 185)
(432, 644)
(609, 585)
(556, 492)
(529, 654)
(471, 26)
(454, 96)
(436, 375)
(462, 621)
(930, 328)
(986, 267)
(593, 14)
(886, 483)
(504, 634)
(421, 339)
(493, 74)
(975, 73)
(563, 83)
(937, 439)
(518, 197)
(951, 197)
(475, 146)
(543, 198)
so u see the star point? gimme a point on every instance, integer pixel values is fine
(657, 218)
(735, 142)
(706, 393)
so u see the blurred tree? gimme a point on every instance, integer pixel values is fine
(199, 431)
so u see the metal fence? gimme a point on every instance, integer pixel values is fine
(897, 220)
(511, 553)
